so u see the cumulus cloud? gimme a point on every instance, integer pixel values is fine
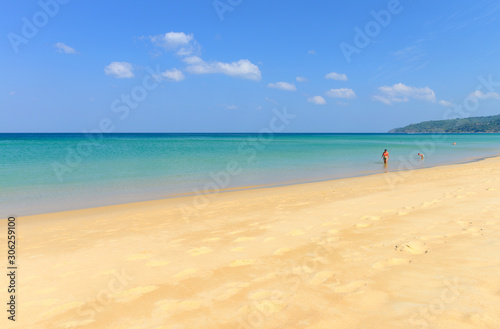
(445, 103)
(62, 48)
(183, 43)
(119, 70)
(341, 93)
(186, 47)
(173, 75)
(402, 93)
(336, 76)
(283, 86)
(480, 95)
(301, 79)
(318, 100)
(193, 60)
(241, 69)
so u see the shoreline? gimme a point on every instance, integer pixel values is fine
(408, 249)
(267, 186)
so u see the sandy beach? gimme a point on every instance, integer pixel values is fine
(413, 249)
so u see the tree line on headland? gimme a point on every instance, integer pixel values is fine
(490, 124)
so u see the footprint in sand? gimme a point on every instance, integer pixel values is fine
(389, 263)
(200, 251)
(321, 277)
(413, 247)
(350, 287)
(268, 301)
(132, 294)
(266, 278)
(242, 262)
(265, 307)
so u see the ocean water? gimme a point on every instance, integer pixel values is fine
(42, 173)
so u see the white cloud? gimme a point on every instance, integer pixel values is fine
(119, 70)
(172, 39)
(336, 76)
(62, 48)
(402, 93)
(341, 93)
(183, 43)
(446, 103)
(318, 100)
(186, 46)
(241, 69)
(283, 86)
(193, 60)
(173, 75)
(382, 99)
(480, 95)
(232, 107)
(301, 79)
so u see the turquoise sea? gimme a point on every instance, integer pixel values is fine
(42, 173)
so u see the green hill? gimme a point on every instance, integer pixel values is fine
(489, 124)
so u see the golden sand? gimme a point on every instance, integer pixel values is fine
(414, 249)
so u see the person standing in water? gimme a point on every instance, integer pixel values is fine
(385, 156)
(420, 155)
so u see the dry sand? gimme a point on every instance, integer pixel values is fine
(415, 249)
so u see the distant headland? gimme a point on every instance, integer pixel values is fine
(489, 124)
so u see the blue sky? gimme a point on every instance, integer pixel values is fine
(225, 65)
